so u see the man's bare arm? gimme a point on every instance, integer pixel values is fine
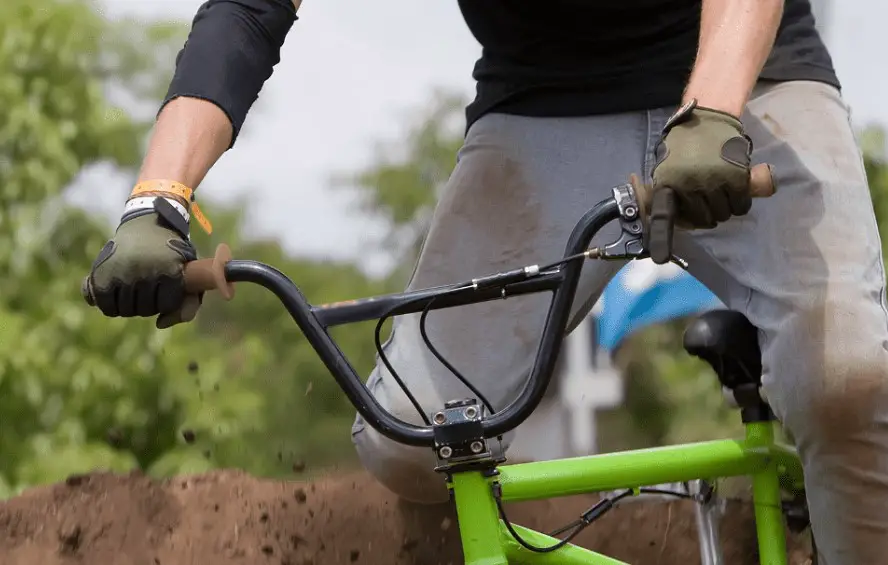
(190, 135)
(736, 37)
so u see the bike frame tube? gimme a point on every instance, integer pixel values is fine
(629, 469)
(766, 498)
(478, 519)
(757, 456)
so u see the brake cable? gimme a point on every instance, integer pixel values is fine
(586, 519)
(502, 279)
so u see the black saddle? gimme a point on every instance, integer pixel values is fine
(729, 342)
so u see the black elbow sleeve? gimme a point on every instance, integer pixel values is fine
(230, 52)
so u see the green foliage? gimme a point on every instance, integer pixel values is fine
(61, 374)
(671, 397)
(306, 415)
(58, 58)
(875, 147)
(79, 391)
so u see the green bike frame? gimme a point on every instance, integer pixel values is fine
(486, 540)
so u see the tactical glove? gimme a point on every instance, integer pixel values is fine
(139, 272)
(701, 176)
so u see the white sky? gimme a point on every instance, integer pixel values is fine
(349, 72)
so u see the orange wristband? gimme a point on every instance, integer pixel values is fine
(175, 189)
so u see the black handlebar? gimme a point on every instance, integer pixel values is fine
(314, 321)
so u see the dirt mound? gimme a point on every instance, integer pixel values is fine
(230, 518)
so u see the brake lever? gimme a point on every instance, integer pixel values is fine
(630, 244)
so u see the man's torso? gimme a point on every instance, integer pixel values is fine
(578, 57)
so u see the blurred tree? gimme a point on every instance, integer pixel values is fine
(240, 388)
(875, 160)
(671, 397)
(59, 62)
(77, 390)
(307, 417)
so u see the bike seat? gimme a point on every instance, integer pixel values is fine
(729, 343)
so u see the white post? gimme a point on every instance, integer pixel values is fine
(587, 387)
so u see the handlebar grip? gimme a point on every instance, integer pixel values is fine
(204, 275)
(761, 181)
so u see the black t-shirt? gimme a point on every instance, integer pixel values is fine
(586, 57)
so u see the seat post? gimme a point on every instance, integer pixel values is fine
(753, 408)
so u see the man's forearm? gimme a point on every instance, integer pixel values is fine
(231, 51)
(736, 37)
(189, 137)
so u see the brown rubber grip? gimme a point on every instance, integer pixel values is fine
(761, 181)
(205, 275)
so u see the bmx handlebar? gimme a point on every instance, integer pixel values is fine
(221, 272)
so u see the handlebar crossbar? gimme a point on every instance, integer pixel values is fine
(314, 321)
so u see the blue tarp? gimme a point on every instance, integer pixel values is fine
(642, 294)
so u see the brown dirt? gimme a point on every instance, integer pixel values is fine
(230, 518)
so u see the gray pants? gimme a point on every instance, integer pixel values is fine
(805, 266)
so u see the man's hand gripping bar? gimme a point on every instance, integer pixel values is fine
(660, 210)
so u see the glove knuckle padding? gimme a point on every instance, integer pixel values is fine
(105, 254)
(736, 151)
(183, 248)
